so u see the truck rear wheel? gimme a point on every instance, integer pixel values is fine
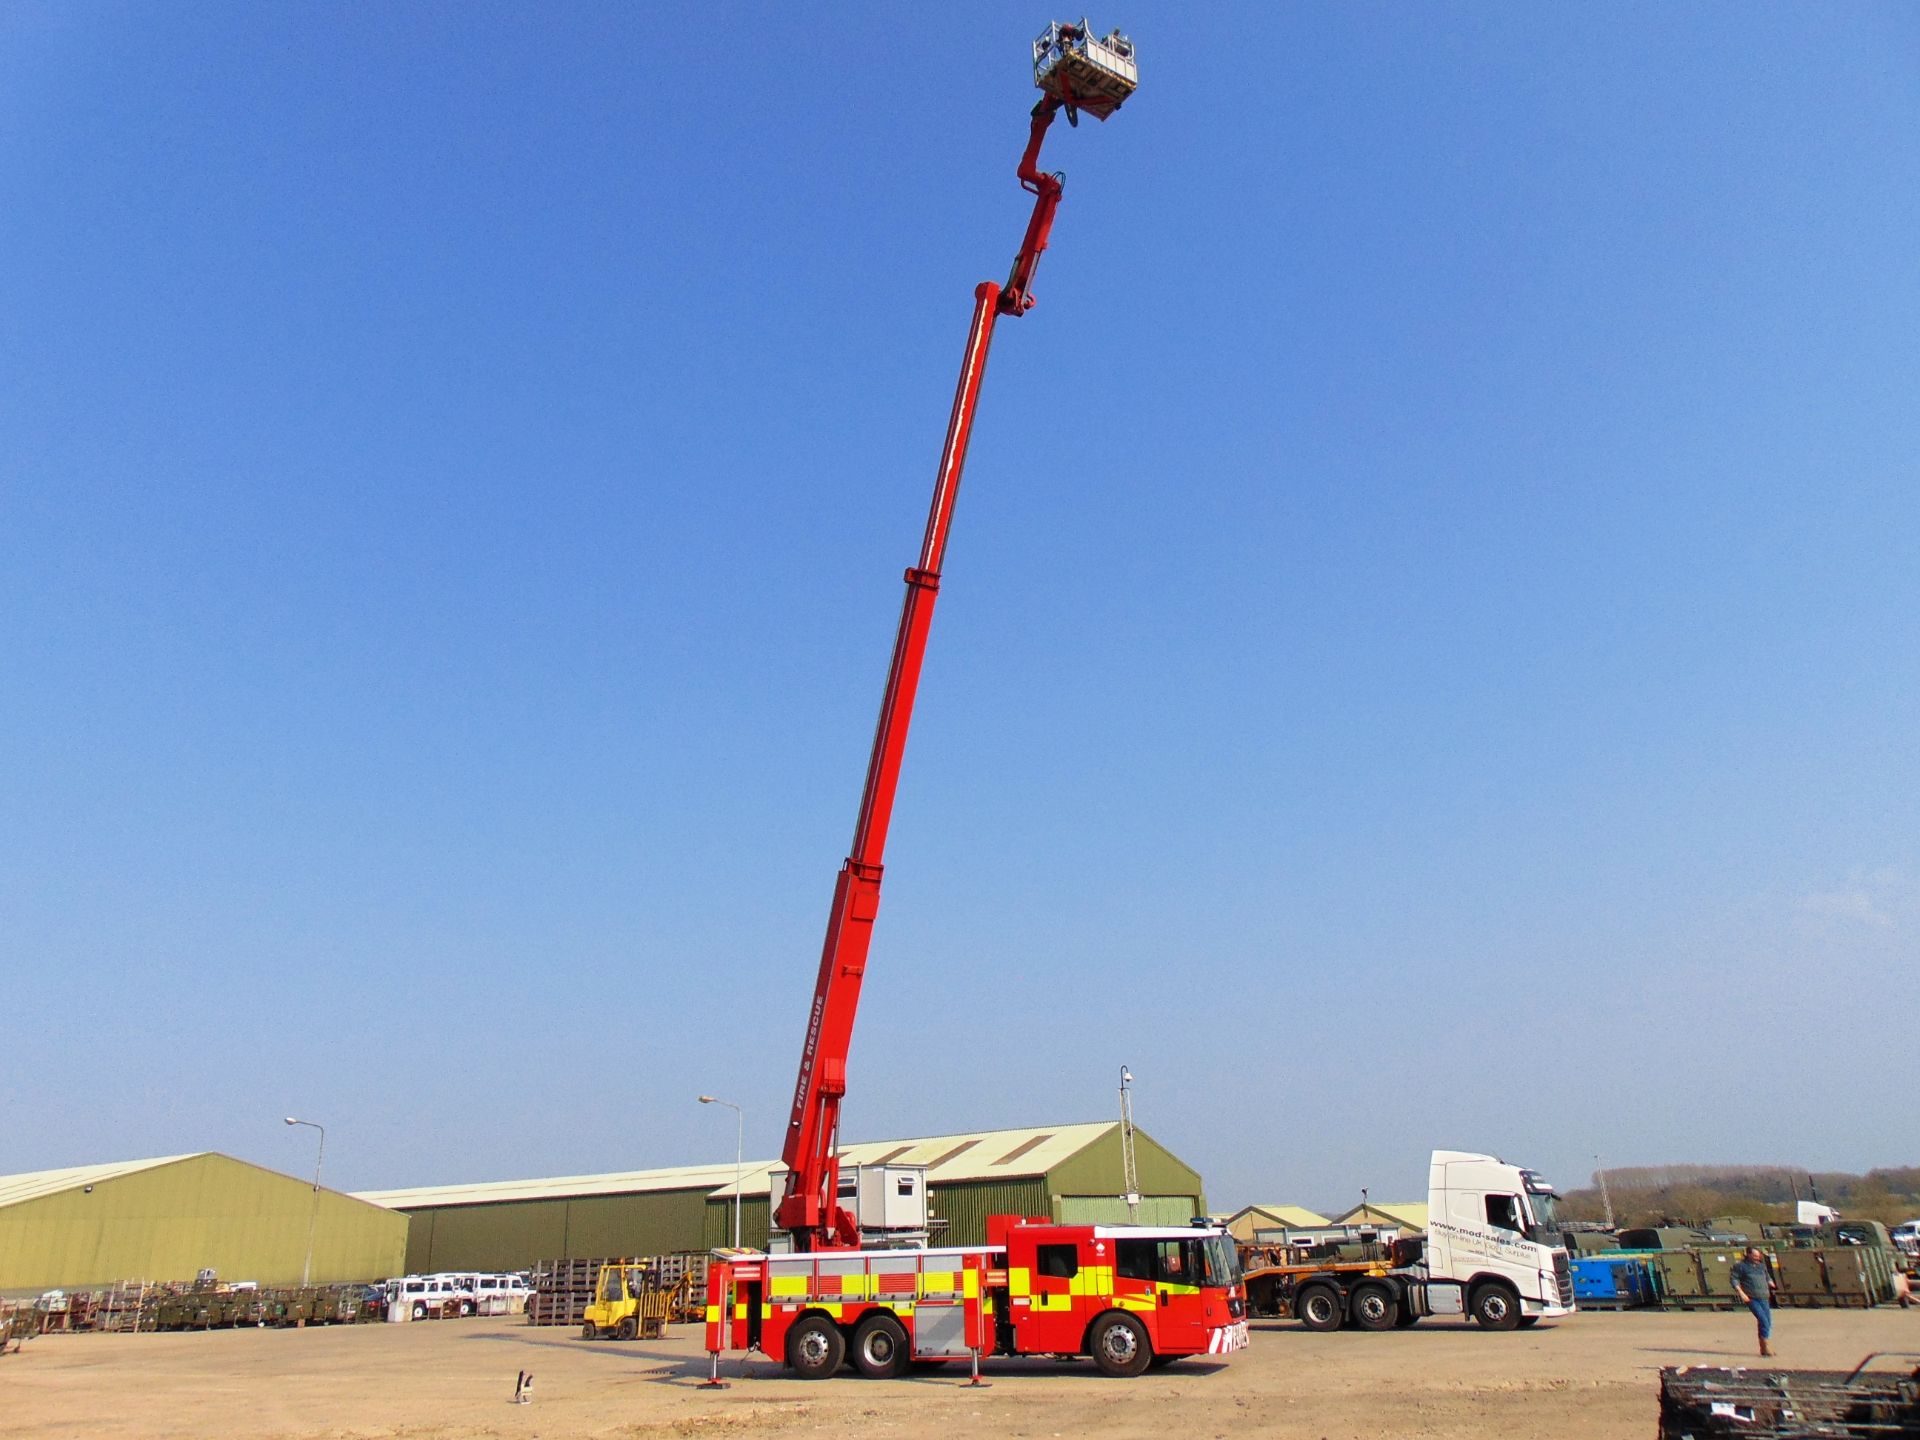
(815, 1348)
(1371, 1307)
(1495, 1307)
(1119, 1345)
(1318, 1307)
(880, 1348)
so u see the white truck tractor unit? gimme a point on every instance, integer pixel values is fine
(1492, 1253)
(1493, 1246)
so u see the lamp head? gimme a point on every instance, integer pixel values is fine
(1126, 1076)
(706, 1099)
(292, 1121)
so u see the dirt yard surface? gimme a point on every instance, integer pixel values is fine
(1593, 1377)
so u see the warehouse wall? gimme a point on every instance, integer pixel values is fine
(203, 1212)
(511, 1235)
(515, 1234)
(1080, 1187)
(967, 1204)
(754, 1219)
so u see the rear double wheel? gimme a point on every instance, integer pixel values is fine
(1372, 1307)
(1318, 1307)
(815, 1348)
(880, 1348)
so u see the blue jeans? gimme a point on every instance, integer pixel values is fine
(1763, 1314)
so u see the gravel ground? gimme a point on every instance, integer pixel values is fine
(1592, 1377)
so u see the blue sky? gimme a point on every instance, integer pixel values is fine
(1427, 655)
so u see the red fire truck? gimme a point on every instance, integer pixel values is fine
(1129, 1296)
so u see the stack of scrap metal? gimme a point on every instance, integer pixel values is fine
(1703, 1403)
(19, 1320)
(126, 1306)
(685, 1277)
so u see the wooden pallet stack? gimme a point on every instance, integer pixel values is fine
(562, 1290)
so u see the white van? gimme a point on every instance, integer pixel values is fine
(465, 1286)
(500, 1295)
(426, 1296)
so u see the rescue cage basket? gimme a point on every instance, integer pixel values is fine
(1075, 67)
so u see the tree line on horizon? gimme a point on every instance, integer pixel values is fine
(1688, 1194)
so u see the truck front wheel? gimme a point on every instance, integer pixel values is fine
(815, 1348)
(1318, 1307)
(1372, 1307)
(1495, 1307)
(1119, 1345)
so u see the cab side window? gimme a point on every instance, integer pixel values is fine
(1503, 1212)
(1061, 1262)
(1134, 1259)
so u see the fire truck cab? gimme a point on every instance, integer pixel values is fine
(1128, 1296)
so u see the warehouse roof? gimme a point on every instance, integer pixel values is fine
(1296, 1217)
(559, 1187)
(980, 1155)
(1409, 1216)
(37, 1183)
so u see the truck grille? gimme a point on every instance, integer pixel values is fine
(1563, 1276)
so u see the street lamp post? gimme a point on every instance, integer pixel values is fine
(739, 1149)
(313, 1212)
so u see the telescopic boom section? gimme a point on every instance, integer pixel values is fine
(809, 1211)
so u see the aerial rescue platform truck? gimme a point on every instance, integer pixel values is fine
(1129, 1296)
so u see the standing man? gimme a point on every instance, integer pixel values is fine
(1753, 1283)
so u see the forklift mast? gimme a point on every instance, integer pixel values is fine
(1075, 72)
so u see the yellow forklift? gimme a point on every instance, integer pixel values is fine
(628, 1303)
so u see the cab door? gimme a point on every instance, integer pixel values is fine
(1178, 1321)
(1047, 1322)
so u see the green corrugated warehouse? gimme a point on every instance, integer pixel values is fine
(168, 1219)
(1068, 1172)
